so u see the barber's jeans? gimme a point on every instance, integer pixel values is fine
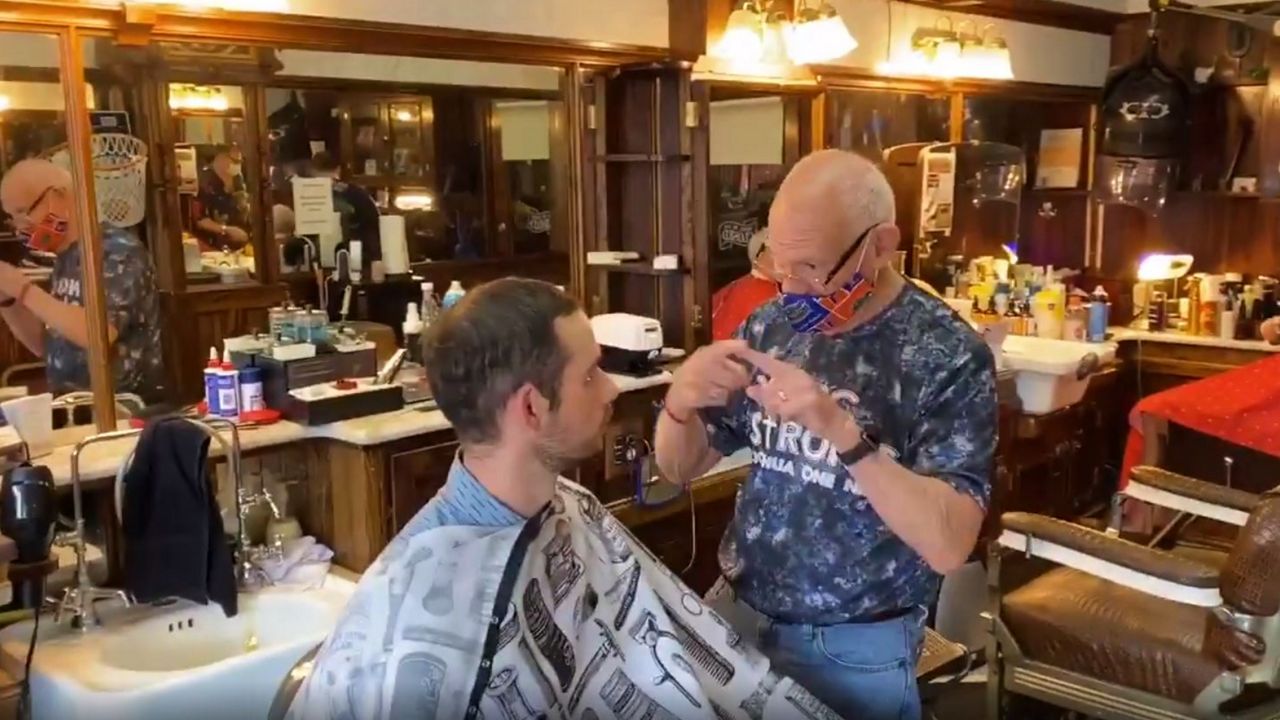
(861, 671)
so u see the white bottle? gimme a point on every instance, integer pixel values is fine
(412, 328)
(228, 387)
(454, 294)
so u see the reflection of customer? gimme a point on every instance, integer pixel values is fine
(734, 303)
(222, 210)
(38, 196)
(356, 206)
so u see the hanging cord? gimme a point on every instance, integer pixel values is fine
(24, 696)
(641, 481)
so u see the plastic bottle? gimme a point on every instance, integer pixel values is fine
(430, 307)
(1099, 314)
(228, 387)
(211, 382)
(251, 394)
(1227, 322)
(453, 295)
(412, 328)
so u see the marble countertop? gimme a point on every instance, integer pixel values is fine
(103, 460)
(1121, 334)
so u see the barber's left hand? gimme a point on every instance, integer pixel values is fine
(793, 395)
(11, 280)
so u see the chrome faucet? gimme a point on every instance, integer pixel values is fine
(78, 600)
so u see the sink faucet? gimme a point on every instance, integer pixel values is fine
(78, 600)
(250, 574)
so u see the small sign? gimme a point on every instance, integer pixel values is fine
(312, 205)
(109, 121)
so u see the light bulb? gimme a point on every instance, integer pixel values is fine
(4, 103)
(819, 36)
(741, 40)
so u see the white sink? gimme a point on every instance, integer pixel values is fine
(184, 660)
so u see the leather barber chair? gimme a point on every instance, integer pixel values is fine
(1123, 631)
(289, 686)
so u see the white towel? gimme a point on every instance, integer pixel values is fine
(303, 563)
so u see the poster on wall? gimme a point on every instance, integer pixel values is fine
(937, 191)
(188, 169)
(312, 205)
(1059, 163)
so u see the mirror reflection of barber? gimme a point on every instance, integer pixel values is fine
(222, 205)
(39, 198)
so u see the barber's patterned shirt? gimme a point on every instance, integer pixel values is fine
(805, 546)
(133, 309)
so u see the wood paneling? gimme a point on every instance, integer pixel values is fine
(416, 475)
(202, 318)
(173, 23)
(1052, 13)
(344, 503)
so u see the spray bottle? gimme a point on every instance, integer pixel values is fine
(228, 387)
(211, 382)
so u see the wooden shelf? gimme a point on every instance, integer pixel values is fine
(639, 158)
(638, 268)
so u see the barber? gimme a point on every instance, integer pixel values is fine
(223, 204)
(38, 196)
(870, 409)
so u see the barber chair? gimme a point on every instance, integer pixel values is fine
(1123, 631)
(289, 686)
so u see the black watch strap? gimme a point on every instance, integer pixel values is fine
(867, 444)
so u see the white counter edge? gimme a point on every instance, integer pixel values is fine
(103, 460)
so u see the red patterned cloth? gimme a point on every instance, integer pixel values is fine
(1240, 406)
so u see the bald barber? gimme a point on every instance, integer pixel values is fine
(870, 410)
(39, 198)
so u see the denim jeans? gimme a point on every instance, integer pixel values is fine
(865, 671)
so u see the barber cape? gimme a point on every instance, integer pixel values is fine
(567, 616)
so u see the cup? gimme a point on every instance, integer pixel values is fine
(32, 418)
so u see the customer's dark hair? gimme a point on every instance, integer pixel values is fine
(324, 162)
(499, 337)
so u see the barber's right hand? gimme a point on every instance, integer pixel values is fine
(237, 235)
(708, 378)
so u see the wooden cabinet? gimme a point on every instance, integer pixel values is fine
(416, 475)
(1063, 464)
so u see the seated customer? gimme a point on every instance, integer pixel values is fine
(52, 324)
(514, 590)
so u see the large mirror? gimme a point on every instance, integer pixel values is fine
(461, 151)
(754, 137)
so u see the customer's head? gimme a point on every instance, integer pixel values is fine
(37, 196)
(515, 366)
(830, 201)
(325, 165)
(224, 166)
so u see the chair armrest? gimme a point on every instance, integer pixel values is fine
(1186, 494)
(1147, 570)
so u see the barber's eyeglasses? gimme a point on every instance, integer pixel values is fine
(823, 282)
(25, 213)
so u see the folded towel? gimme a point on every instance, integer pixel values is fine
(303, 562)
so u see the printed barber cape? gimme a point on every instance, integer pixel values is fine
(566, 617)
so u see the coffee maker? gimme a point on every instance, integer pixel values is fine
(28, 515)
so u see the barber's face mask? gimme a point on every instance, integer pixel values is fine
(44, 230)
(826, 312)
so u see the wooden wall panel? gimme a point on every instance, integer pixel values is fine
(198, 320)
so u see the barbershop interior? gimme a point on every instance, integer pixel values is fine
(245, 245)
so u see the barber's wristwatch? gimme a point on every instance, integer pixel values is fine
(868, 443)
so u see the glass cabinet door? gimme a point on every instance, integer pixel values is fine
(869, 122)
(406, 139)
(367, 140)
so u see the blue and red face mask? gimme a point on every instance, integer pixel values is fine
(825, 313)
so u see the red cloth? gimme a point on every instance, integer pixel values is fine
(734, 303)
(1241, 406)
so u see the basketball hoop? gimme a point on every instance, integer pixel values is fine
(119, 176)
